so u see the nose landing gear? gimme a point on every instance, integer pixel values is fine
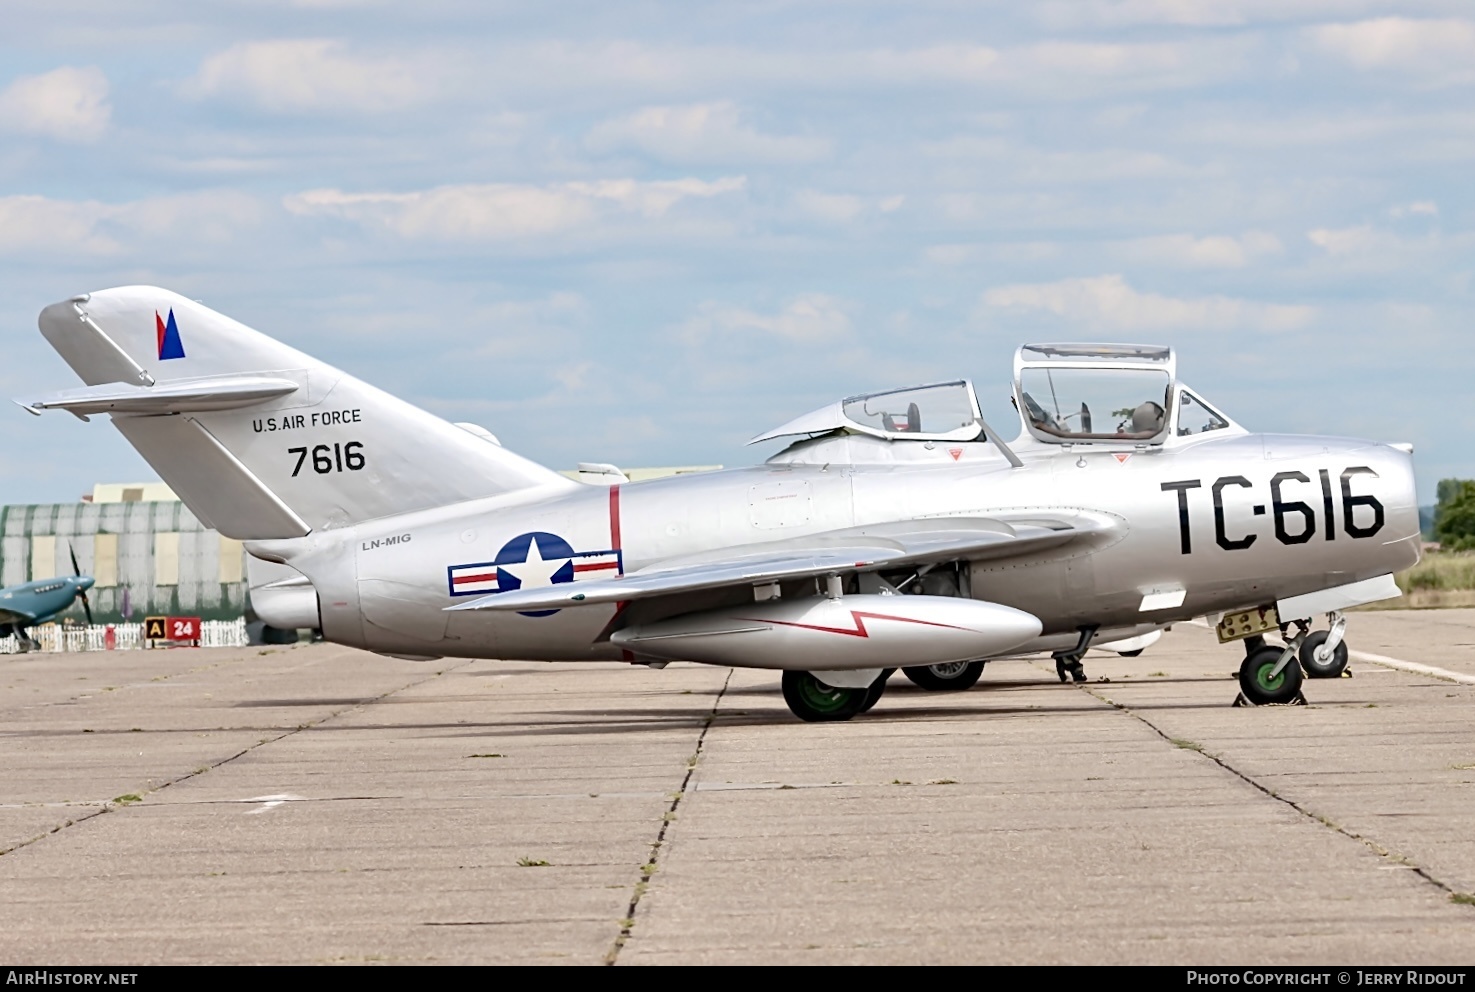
(1324, 653)
(1271, 676)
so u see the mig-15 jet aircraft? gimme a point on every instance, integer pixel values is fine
(897, 529)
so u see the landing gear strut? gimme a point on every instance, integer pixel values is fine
(1068, 663)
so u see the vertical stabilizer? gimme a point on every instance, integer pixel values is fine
(331, 451)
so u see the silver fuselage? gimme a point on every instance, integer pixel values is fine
(1232, 521)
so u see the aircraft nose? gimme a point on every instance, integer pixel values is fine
(85, 582)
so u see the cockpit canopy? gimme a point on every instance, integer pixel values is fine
(1066, 394)
(940, 411)
(1083, 393)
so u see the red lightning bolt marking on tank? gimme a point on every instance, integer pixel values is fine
(860, 624)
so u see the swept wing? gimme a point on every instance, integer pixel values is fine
(857, 549)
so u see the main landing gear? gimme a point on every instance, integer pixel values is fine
(950, 677)
(24, 642)
(814, 701)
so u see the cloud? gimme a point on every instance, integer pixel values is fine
(309, 75)
(68, 104)
(1444, 48)
(702, 132)
(1343, 241)
(1193, 13)
(813, 317)
(1108, 303)
(1007, 157)
(1215, 252)
(1428, 208)
(501, 211)
(38, 224)
(841, 208)
(1052, 68)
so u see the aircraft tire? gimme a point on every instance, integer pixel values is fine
(814, 702)
(1316, 668)
(877, 689)
(946, 678)
(1259, 688)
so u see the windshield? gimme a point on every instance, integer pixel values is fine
(1197, 417)
(1123, 404)
(944, 409)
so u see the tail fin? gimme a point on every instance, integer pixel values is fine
(260, 440)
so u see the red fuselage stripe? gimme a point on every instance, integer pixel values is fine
(860, 624)
(614, 517)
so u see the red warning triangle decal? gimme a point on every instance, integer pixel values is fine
(956, 453)
(1122, 456)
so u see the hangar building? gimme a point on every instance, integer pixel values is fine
(150, 556)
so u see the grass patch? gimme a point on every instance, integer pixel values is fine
(1188, 745)
(897, 781)
(127, 798)
(1443, 580)
(531, 863)
(943, 781)
(1157, 675)
(1463, 898)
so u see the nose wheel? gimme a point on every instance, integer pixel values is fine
(1324, 653)
(1271, 676)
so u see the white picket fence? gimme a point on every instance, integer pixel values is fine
(128, 636)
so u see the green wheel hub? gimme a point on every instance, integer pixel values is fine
(824, 698)
(811, 700)
(1265, 680)
(1260, 687)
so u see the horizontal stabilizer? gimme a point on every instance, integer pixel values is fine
(227, 392)
(858, 549)
(225, 494)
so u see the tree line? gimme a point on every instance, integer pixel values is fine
(1454, 515)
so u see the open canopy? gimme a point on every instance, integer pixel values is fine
(940, 411)
(1107, 393)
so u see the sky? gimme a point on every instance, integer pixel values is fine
(642, 233)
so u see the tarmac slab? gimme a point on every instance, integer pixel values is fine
(319, 804)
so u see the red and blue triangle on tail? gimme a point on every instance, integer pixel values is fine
(170, 346)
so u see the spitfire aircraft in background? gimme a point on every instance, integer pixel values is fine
(897, 529)
(39, 600)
